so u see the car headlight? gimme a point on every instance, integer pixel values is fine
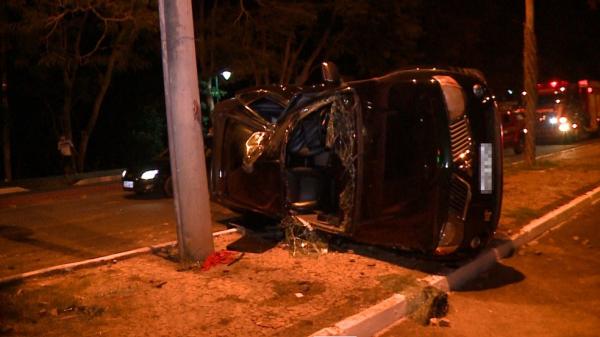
(123, 173)
(151, 174)
(564, 127)
(553, 120)
(563, 120)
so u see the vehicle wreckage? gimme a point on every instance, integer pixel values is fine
(410, 160)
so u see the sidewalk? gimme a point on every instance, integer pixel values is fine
(268, 293)
(59, 182)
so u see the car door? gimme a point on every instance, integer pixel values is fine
(241, 176)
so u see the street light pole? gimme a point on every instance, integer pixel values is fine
(530, 80)
(186, 145)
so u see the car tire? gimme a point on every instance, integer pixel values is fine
(168, 187)
(520, 145)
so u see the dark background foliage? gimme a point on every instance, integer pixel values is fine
(261, 42)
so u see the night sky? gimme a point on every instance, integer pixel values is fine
(568, 36)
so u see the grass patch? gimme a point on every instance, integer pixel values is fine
(396, 282)
(541, 165)
(24, 304)
(522, 214)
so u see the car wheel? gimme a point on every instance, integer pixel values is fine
(168, 187)
(520, 145)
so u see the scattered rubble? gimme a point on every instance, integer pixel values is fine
(302, 238)
(441, 322)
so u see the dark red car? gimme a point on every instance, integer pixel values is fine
(513, 130)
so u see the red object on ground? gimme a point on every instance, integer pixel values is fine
(216, 258)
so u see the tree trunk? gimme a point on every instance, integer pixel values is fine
(530, 80)
(210, 101)
(69, 75)
(4, 110)
(105, 81)
(286, 59)
(308, 66)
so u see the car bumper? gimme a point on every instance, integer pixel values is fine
(140, 186)
(554, 135)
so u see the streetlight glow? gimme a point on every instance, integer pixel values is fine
(226, 74)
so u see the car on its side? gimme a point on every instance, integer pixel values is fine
(152, 177)
(410, 160)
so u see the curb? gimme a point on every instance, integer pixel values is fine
(393, 309)
(97, 180)
(97, 261)
(9, 190)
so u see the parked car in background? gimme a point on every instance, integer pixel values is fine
(154, 176)
(410, 160)
(513, 128)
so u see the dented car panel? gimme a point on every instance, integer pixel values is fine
(410, 160)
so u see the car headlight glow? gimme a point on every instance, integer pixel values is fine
(564, 127)
(151, 174)
(123, 173)
(563, 120)
(553, 120)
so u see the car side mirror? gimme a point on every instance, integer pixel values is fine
(330, 73)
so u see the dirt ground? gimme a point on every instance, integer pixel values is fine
(266, 293)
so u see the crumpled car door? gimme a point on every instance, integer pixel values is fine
(240, 133)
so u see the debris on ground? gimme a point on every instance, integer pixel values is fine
(157, 284)
(427, 303)
(302, 238)
(441, 322)
(576, 238)
(225, 257)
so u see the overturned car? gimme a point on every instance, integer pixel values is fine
(411, 160)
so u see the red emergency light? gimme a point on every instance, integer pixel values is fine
(553, 84)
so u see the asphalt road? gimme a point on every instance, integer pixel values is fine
(42, 229)
(550, 287)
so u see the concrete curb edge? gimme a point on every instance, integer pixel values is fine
(378, 317)
(97, 180)
(14, 189)
(97, 261)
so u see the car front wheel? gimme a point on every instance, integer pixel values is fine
(168, 187)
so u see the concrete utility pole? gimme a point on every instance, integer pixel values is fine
(530, 79)
(186, 145)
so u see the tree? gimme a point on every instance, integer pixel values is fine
(268, 41)
(88, 41)
(530, 80)
(6, 29)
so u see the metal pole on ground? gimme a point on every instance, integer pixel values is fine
(186, 145)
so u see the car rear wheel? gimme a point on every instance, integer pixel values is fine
(520, 145)
(168, 187)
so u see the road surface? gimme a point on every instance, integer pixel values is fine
(42, 229)
(549, 288)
